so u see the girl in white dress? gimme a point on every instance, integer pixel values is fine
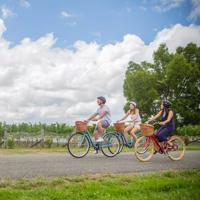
(134, 126)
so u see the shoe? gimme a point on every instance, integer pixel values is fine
(131, 142)
(100, 139)
(95, 152)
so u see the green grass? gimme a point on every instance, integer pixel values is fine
(178, 185)
(25, 150)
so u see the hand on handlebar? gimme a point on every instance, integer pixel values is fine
(162, 123)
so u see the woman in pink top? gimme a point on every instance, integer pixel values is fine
(135, 121)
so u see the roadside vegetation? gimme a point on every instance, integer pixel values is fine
(183, 185)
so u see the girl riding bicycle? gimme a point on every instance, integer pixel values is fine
(134, 126)
(167, 123)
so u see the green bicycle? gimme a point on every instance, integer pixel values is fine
(80, 142)
(119, 128)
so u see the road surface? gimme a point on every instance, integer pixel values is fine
(51, 165)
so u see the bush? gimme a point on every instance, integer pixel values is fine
(48, 142)
(189, 130)
(10, 143)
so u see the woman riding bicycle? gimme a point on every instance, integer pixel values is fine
(167, 123)
(134, 126)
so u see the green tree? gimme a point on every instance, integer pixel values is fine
(173, 76)
(140, 85)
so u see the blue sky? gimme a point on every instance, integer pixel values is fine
(103, 21)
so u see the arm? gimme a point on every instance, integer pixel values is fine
(137, 112)
(127, 114)
(155, 117)
(170, 115)
(92, 117)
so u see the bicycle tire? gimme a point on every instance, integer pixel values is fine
(108, 149)
(146, 148)
(177, 151)
(74, 152)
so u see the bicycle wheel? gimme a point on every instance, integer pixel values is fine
(177, 150)
(144, 148)
(110, 146)
(121, 144)
(78, 145)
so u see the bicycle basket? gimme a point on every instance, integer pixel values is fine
(147, 129)
(80, 126)
(119, 127)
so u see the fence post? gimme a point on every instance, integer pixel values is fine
(42, 134)
(5, 138)
(57, 141)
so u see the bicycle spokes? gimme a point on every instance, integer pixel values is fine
(110, 146)
(78, 145)
(177, 149)
(144, 148)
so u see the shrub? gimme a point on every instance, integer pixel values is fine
(48, 142)
(189, 130)
(10, 143)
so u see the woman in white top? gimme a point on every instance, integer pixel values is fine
(135, 121)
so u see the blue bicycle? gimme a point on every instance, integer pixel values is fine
(119, 128)
(79, 143)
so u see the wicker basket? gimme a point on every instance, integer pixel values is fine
(147, 129)
(80, 126)
(119, 127)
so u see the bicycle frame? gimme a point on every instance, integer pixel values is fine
(95, 145)
(156, 142)
(87, 135)
(122, 137)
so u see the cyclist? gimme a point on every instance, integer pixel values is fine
(167, 123)
(103, 118)
(134, 126)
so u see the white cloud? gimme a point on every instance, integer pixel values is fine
(195, 13)
(25, 3)
(166, 5)
(5, 12)
(70, 18)
(66, 14)
(44, 83)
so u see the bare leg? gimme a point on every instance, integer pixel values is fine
(95, 134)
(133, 131)
(99, 132)
(126, 130)
(100, 129)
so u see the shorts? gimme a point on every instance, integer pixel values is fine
(104, 123)
(137, 125)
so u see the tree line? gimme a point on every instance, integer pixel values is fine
(35, 128)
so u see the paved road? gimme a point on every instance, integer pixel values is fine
(50, 165)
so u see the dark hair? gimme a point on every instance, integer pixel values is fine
(103, 99)
(166, 104)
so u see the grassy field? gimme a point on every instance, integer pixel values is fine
(20, 150)
(177, 185)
